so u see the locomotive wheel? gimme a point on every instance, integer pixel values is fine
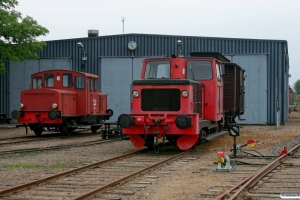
(38, 130)
(65, 130)
(94, 129)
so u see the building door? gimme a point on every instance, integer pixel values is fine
(116, 76)
(256, 103)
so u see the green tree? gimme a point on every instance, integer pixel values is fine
(297, 87)
(18, 35)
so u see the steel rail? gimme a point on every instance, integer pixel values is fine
(62, 174)
(128, 177)
(55, 134)
(20, 137)
(255, 177)
(39, 138)
(29, 140)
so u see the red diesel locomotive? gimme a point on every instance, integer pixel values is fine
(184, 100)
(62, 100)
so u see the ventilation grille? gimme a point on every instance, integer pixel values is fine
(160, 99)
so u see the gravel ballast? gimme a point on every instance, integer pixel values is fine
(182, 183)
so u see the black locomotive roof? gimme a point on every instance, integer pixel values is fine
(234, 65)
(215, 55)
(165, 81)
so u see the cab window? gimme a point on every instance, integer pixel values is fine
(67, 80)
(157, 69)
(199, 70)
(218, 69)
(92, 84)
(37, 82)
(96, 84)
(88, 84)
(79, 82)
(49, 80)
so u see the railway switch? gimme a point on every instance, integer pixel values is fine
(284, 151)
(223, 163)
(240, 152)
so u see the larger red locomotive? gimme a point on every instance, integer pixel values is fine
(184, 100)
(63, 100)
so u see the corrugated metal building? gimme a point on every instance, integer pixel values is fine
(265, 61)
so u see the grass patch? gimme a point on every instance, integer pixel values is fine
(65, 165)
(22, 166)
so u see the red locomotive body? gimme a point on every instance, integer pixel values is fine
(183, 100)
(62, 99)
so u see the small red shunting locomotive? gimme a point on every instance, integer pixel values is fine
(184, 100)
(63, 100)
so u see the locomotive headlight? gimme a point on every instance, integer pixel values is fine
(185, 93)
(54, 105)
(21, 105)
(135, 93)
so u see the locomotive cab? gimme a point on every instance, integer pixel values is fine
(62, 99)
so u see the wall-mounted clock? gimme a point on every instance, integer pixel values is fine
(132, 45)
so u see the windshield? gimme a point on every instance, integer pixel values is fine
(49, 80)
(158, 69)
(37, 82)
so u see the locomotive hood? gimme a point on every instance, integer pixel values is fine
(42, 99)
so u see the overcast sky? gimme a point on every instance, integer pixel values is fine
(254, 19)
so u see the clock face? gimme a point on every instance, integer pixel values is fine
(132, 45)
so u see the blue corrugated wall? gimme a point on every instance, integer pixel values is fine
(165, 45)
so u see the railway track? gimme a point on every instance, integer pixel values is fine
(103, 179)
(12, 141)
(50, 135)
(25, 139)
(19, 140)
(279, 178)
(58, 147)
